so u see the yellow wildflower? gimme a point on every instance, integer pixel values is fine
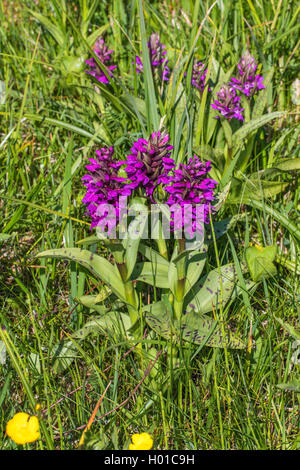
(23, 428)
(141, 441)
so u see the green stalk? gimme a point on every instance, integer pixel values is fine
(130, 293)
(181, 275)
(161, 243)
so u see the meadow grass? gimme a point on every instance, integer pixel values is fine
(51, 122)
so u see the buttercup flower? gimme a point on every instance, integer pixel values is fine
(23, 428)
(158, 58)
(104, 55)
(190, 185)
(141, 441)
(248, 83)
(103, 184)
(228, 103)
(149, 163)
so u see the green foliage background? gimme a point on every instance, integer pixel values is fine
(51, 121)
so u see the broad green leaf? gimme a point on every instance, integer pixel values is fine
(260, 261)
(71, 64)
(195, 264)
(212, 290)
(63, 354)
(152, 255)
(243, 191)
(240, 135)
(90, 301)
(292, 386)
(97, 265)
(110, 322)
(151, 273)
(288, 164)
(135, 233)
(91, 240)
(201, 329)
(158, 318)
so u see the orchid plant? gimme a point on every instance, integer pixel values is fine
(178, 297)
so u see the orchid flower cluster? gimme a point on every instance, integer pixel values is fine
(158, 58)
(228, 102)
(148, 167)
(105, 57)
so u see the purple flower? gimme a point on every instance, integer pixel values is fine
(248, 83)
(103, 184)
(198, 76)
(158, 59)
(228, 103)
(190, 185)
(104, 55)
(149, 163)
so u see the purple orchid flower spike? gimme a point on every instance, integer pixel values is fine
(190, 185)
(104, 55)
(149, 163)
(198, 76)
(228, 103)
(103, 184)
(248, 83)
(158, 58)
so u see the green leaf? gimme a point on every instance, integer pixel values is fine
(152, 255)
(72, 64)
(292, 386)
(201, 329)
(261, 99)
(158, 318)
(244, 191)
(207, 295)
(288, 164)
(289, 328)
(198, 329)
(91, 302)
(151, 273)
(6, 236)
(240, 135)
(91, 240)
(54, 30)
(292, 228)
(260, 262)
(2, 92)
(63, 354)
(2, 353)
(110, 322)
(91, 39)
(148, 77)
(96, 264)
(195, 264)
